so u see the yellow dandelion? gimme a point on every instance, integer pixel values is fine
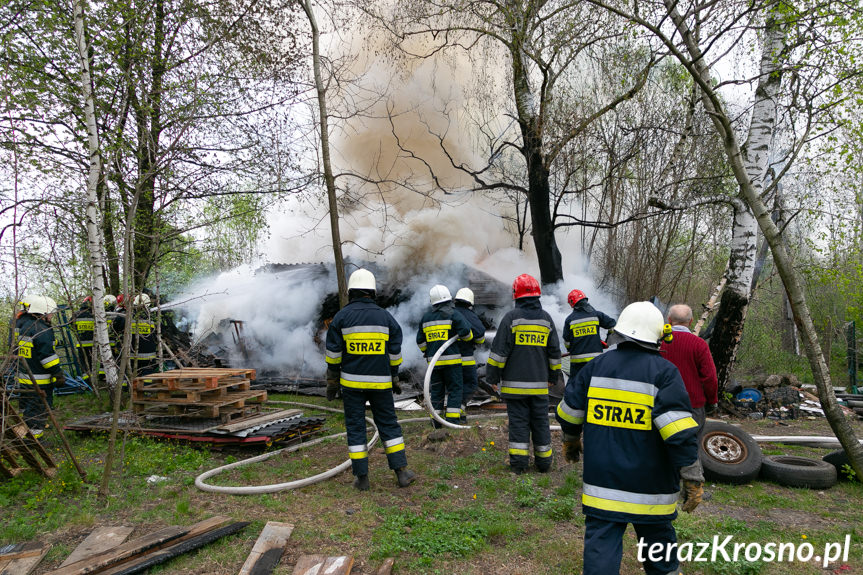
(803, 536)
(474, 495)
(483, 448)
(491, 443)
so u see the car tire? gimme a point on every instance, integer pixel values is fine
(728, 454)
(794, 471)
(838, 459)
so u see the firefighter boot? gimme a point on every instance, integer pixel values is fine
(361, 482)
(405, 476)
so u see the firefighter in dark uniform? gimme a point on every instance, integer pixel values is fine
(464, 304)
(35, 340)
(142, 355)
(437, 326)
(525, 360)
(84, 325)
(581, 331)
(639, 442)
(364, 344)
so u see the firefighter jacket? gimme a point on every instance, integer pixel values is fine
(477, 328)
(437, 326)
(36, 347)
(525, 353)
(364, 344)
(84, 326)
(638, 433)
(144, 344)
(581, 332)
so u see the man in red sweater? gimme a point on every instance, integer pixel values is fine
(692, 357)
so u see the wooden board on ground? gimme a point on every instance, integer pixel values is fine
(23, 565)
(323, 565)
(199, 528)
(19, 550)
(387, 567)
(98, 541)
(258, 420)
(268, 549)
(122, 552)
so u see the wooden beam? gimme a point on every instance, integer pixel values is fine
(122, 552)
(20, 550)
(248, 422)
(22, 565)
(268, 549)
(323, 565)
(98, 541)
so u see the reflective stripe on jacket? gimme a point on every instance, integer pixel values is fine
(581, 332)
(364, 344)
(638, 432)
(525, 353)
(467, 348)
(437, 326)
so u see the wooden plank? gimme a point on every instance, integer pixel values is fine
(98, 541)
(263, 558)
(259, 420)
(19, 550)
(229, 399)
(387, 567)
(23, 565)
(323, 565)
(199, 528)
(145, 562)
(122, 552)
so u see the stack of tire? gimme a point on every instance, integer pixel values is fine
(730, 455)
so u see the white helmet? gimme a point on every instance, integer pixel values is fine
(141, 300)
(109, 300)
(465, 294)
(642, 322)
(439, 294)
(362, 279)
(39, 304)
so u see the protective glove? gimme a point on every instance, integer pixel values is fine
(692, 492)
(710, 409)
(571, 447)
(397, 388)
(693, 485)
(333, 387)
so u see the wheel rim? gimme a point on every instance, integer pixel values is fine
(724, 447)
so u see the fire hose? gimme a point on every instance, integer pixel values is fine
(200, 480)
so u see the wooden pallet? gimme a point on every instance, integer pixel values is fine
(17, 444)
(226, 408)
(193, 378)
(189, 394)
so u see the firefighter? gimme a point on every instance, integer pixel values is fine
(525, 361)
(143, 347)
(464, 304)
(581, 331)
(639, 442)
(84, 325)
(439, 324)
(35, 339)
(364, 344)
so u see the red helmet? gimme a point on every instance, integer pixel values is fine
(525, 286)
(575, 296)
(88, 299)
(120, 299)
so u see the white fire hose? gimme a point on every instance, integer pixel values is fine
(273, 488)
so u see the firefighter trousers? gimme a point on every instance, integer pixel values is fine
(528, 420)
(384, 416)
(603, 546)
(31, 404)
(468, 383)
(446, 382)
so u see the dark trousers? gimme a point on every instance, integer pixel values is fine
(603, 546)
(446, 382)
(85, 356)
(528, 420)
(469, 383)
(700, 417)
(384, 416)
(31, 405)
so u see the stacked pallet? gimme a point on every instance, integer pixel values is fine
(198, 392)
(17, 444)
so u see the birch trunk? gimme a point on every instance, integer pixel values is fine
(329, 179)
(93, 214)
